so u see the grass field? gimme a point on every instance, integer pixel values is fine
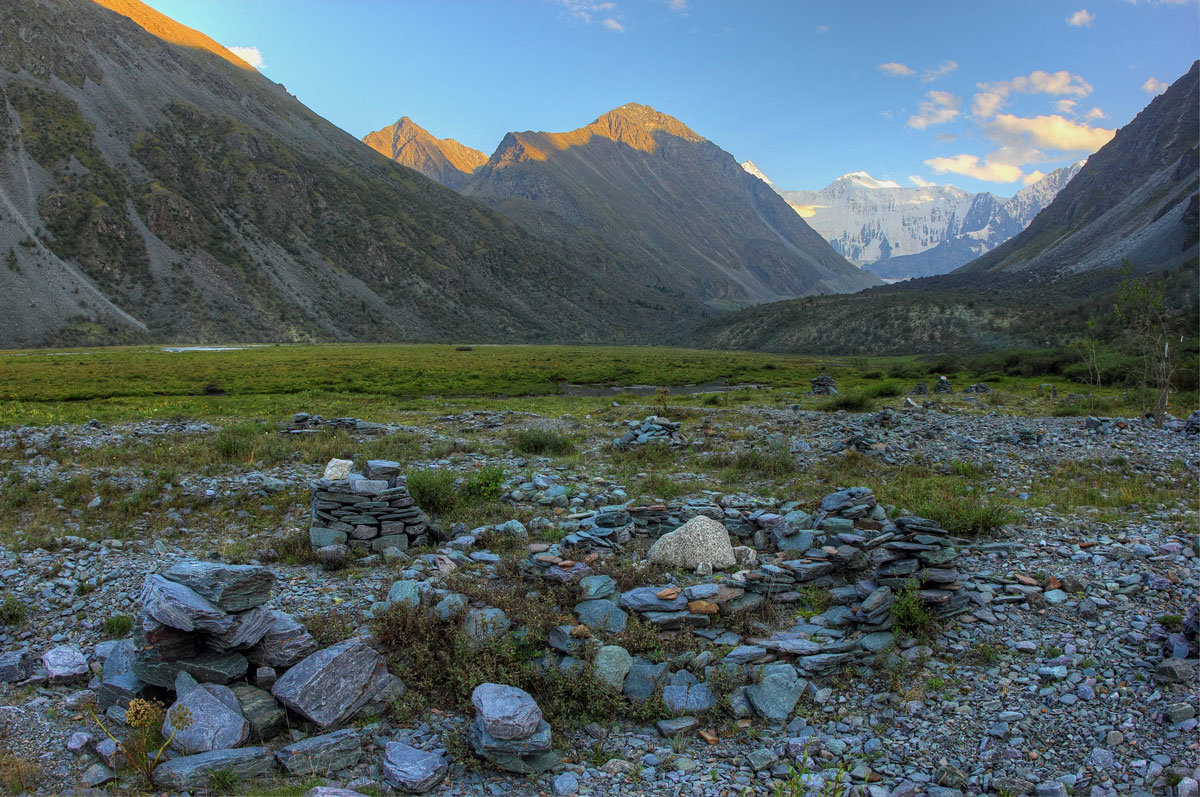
(381, 382)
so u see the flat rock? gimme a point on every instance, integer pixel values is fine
(602, 615)
(319, 755)
(195, 772)
(248, 629)
(232, 588)
(540, 741)
(700, 540)
(180, 606)
(506, 712)
(611, 665)
(65, 664)
(645, 599)
(285, 642)
(328, 686)
(413, 770)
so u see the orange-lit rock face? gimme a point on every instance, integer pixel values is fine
(404, 140)
(168, 29)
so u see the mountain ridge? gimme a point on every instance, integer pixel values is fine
(445, 160)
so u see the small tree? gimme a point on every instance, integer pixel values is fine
(1141, 308)
(1089, 347)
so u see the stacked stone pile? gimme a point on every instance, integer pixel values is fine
(1191, 427)
(205, 619)
(920, 550)
(654, 429)
(978, 387)
(509, 730)
(943, 386)
(370, 511)
(823, 385)
(920, 389)
(304, 423)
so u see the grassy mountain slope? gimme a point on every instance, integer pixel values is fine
(153, 186)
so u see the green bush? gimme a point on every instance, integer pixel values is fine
(542, 441)
(119, 625)
(433, 489)
(909, 615)
(884, 390)
(850, 402)
(483, 486)
(12, 611)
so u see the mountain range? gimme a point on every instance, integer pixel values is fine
(1134, 203)
(651, 194)
(900, 232)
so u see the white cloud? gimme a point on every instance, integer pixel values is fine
(992, 96)
(937, 108)
(1095, 113)
(612, 24)
(822, 29)
(972, 166)
(1081, 19)
(1033, 177)
(590, 11)
(1066, 106)
(1154, 86)
(934, 72)
(919, 181)
(893, 69)
(678, 5)
(250, 55)
(1022, 138)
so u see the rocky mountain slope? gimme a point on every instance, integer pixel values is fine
(153, 186)
(899, 232)
(1136, 199)
(442, 159)
(661, 203)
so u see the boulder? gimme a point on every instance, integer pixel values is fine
(701, 539)
(485, 744)
(338, 469)
(64, 664)
(413, 770)
(14, 666)
(232, 588)
(611, 665)
(195, 772)
(285, 643)
(328, 686)
(216, 721)
(180, 606)
(319, 755)
(602, 615)
(689, 699)
(775, 697)
(506, 712)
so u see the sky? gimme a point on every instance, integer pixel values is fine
(987, 96)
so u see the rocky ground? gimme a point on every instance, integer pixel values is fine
(1069, 669)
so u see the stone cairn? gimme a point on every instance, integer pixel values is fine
(654, 429)
(943, 386)
(823, 385)
(369, 511)
(304, 423)
(205, 619)
(1191, 427)
(920, 389)
(978, 387)
(509, 730)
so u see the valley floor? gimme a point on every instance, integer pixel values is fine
(1069, 670)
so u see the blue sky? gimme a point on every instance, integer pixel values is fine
(984, 95)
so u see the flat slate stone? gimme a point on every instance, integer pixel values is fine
(611, 665)
(14, 666)
(645, 599)
(485, 744)
(328, 686)
(643, 679)
(180, 606)
(318, 755)
(267, 718)
(233, 588)
(693, 699)
(194, 772)
(411, 769)
(678, 726)
(285, 643)
(64, 664)
(602, 615)
(506, 712)
(775, 697)
(215, 668)
(249, 627)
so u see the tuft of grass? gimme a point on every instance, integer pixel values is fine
(225, 781)
(1171, 622)
(484, 485)
(117, 626)
(19, 775)
(12, 611)
(433, 489)
(332, 626)
(909, 614)
(541, 441)
(983, 654)
(850, 402)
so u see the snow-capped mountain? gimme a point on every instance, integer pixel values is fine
(751, 168)
(899, 232)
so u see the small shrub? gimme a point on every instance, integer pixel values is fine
(433, 489)
(19, 775)
(295, 549)
(542, 441)
(330, 627)
(484, 485)
(983, 654)
(12, 611)
(225, 781)
(909, 615)
(850, 402)
(1171, 622)
(119, 625)
(884, 390)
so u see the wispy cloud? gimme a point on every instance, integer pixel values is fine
(935, 72)
(894, 69)
(993, 96)
(822, 29)
(937, 108)
(946, 137)
(1081, 19)
(251, 55)
(919, 181)
(600, 12)
(1154, 86)
(678, 5)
